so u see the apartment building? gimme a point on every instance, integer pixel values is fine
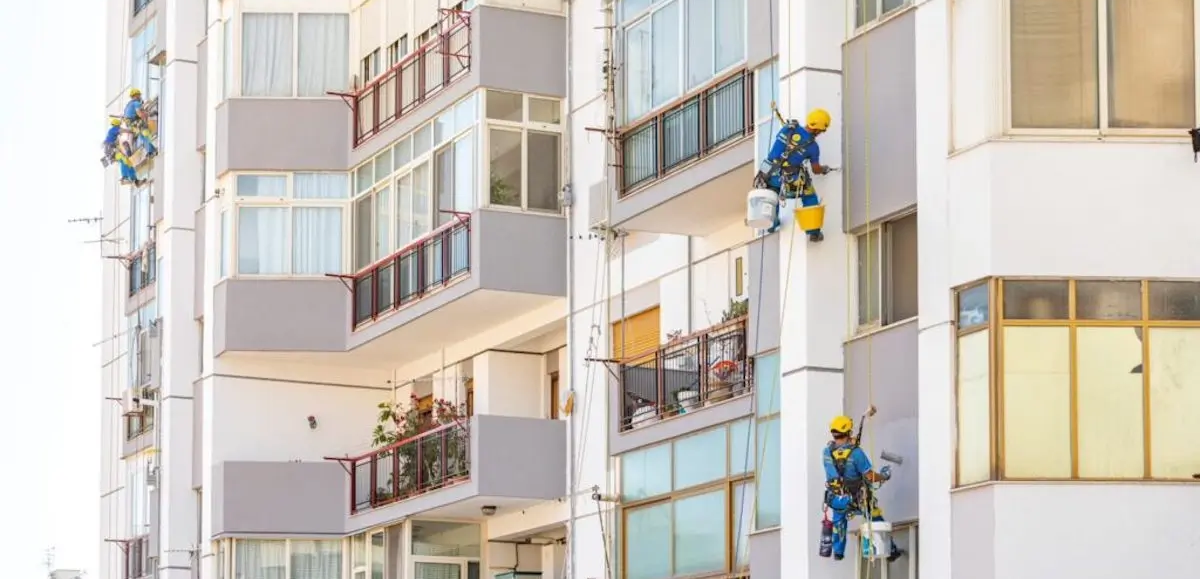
(596, 369)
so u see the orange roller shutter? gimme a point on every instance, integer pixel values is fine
(641, 332)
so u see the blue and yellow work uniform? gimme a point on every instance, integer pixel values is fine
(783, 168)
(133, 117)
(111, 146)
(847, 475)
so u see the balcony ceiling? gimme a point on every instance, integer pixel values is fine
(702, 210)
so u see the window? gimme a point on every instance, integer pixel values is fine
(286, 55)
(767, 450)
(226, 243)
(887, 273)
(1143, 89)
(418, 182)
(290, 223)
(554, 397)
(371, 66)
(139, 497)
(226, 58)
(443, 550)
(867, 11)
(524, 151)
(672, 47)
(142, 74)
(397, 51)
(282, 559)
(686, 511)
(1091, 384)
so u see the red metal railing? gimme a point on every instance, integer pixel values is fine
(715, 115)
(704, 368)
(408, 83)
(415, 270)
(428, 461)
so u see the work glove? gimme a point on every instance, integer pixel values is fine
(886, 473)
(760, 180)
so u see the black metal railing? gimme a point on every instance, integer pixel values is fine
(716, 115)
(406, 276)
(687, 374)
(429, 461)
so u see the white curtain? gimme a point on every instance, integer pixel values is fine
(262, 186)
(316, 240)
(464, 173)
(321, 186)
(667, 49)
(262, 236)
(267, 55)
(700, 42)
(316, 560)
(260, 559)
(637, 70)
(324, 53)
(730, 17)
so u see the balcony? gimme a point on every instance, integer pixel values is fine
(419, 76)
(143, 267)
(686, 169)
(424, 266)
(430, 461)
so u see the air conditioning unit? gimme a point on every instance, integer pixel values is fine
(131, 403)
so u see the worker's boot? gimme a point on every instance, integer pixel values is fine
(816, 236)
(896, 553)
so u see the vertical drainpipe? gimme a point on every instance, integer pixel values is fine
(572, 375)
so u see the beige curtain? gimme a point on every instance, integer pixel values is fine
(1151, 82)
(1054, 64)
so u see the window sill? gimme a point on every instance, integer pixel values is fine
(768, 530)
(1053, 136)
(868, 331)
(1073, 482)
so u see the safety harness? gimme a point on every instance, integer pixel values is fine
(842, 485)
(796, 176)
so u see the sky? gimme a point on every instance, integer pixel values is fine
(51, 125)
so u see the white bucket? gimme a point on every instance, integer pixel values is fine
(875, 539)
(760, 208)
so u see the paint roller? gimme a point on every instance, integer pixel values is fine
(891, 457)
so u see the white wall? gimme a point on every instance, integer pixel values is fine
(503, 557)
(509, 384)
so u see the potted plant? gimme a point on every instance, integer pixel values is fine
(502, 194)
(399, 422)
(736, 309)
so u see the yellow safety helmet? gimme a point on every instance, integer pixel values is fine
(114, 122)
(136, 92)
(818, 120)
(841, 425)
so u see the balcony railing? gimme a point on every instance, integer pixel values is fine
(429, 461)
(716, 115)
(143, 267)
(406, 276)
(685, 375)
(408, 83)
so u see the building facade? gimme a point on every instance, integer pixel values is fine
(466, 289)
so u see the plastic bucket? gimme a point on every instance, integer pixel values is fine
(810, 218)
(876, 538)
(760, 208)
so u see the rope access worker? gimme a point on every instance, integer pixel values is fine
(138, 119)
(783, 168)
(847, 468)
(113, 150)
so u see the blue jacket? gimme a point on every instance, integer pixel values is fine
(805, 143)
(110, 138)
(856, 466)
(132, 108)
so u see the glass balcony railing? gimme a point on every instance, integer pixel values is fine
(431, 460)
(408, 83)
(717, 114)
(685, 375)
(419, 268)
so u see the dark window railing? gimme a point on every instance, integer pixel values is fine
(431, 460)
(143, 267)
(408, 83)
(136, 552)
(718, 114)
(685, 375)
(406, 276)
(139, 5)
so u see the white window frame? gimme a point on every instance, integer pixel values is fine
(230, 546)
(1102, 60)
(238, 59)
(523, 127)
(350, 570)
(625, 22)
(857, 29)
(289, 202)
(882, 274)
(410, 564)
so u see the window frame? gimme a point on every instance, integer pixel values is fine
(1102, 93)
(235, 44)
(411, 559)
(857, 29)
(883, 275)
(290, 203)
(228, 567)
(624, 22)
(523, 127)
(997, 324)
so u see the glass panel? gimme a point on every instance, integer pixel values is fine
(1108, 300)
(766, 382)
(638, 70)
(1175, 300)
(544, 171)
(1109, 402)
(443, 127)
(631, 8)
(1036, 300)
(646, 473)
(267, 48)
(226, 243)
(402, 153)
(383, 165)
(769, 474)
(320, 186)
(262, 186)
(864, 11)
(358, 550)
(741, 448)
(743, 515)
(465, 113)
(443, 184)
(1144, 89)
(316, 559)
(699, 458)
(731, 33)
(422, 201)
(700, 42)
(378, 555)
(1037, 403)
(364, 238)
(438, 570)
(383, 223)
(404, 212)
(464, 173)
(974, 409)
(1174, 402)
(316, 240)
(505, 164)
(262, 239)
(259, 559)
(422, 140)
(869, 275)
(1060, 91)
(699, 533)
(666, 46)
(505, 106)
(438, 539)
(544, 111)
(973, 306)
(648, 542)
(767, 79)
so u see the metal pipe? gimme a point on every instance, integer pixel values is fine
(568, 202)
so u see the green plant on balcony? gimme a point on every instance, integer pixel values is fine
(737, 308)
(423, 468)
(503, 194)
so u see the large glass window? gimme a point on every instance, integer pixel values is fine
(691, 503)
(283, 559)
(286, 55)
(524, 151)
(444, 550)
(1064, 91)
(766, 125)
(887, 272)
(868, 11)
(288, 223)
(767, 378)
(1090, 383)
(142, 74)
(672, 47)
